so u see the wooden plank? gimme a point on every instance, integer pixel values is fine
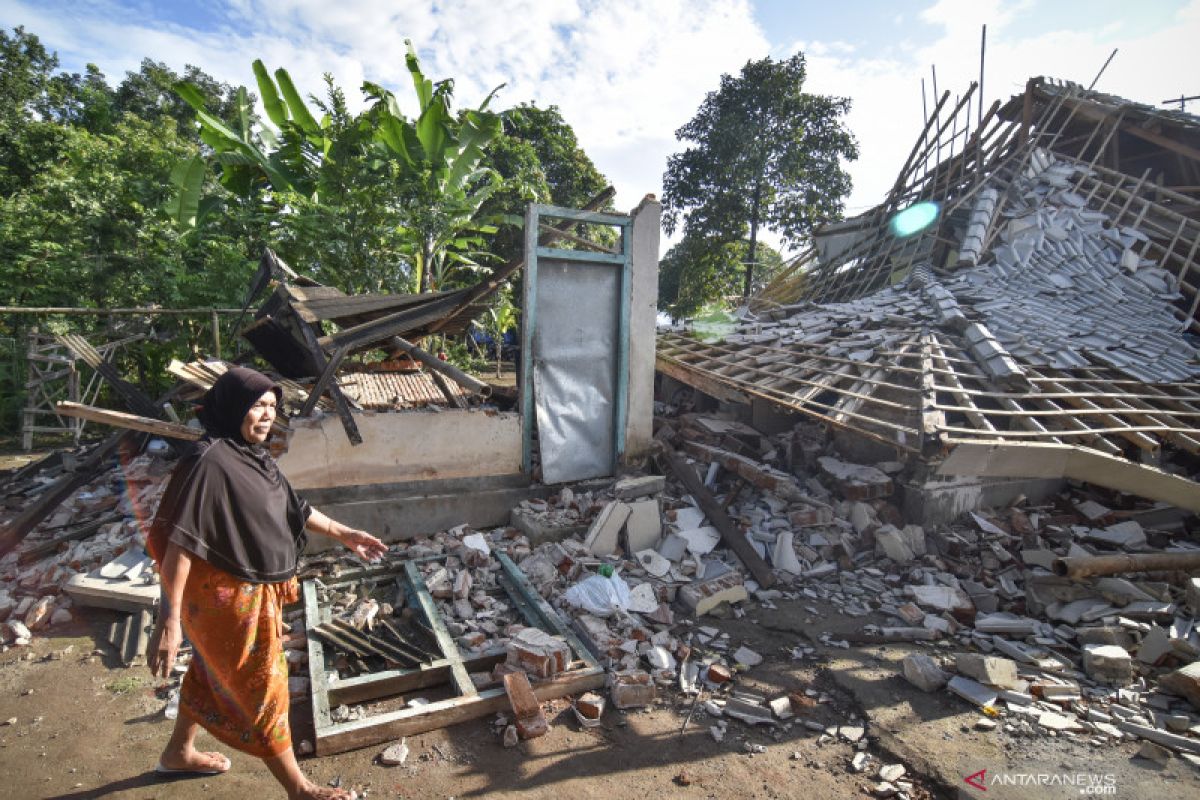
(437, 365)
(458, 673)
(1145, 414)
(730, 533)
(547, 616)
(698, 380)
(411, 721)
(339, 400)
(399, 323)
(377, 685)
(318, 680)
(760, 475)
(273, 340)
(126, 312)
(135, 399)
(120, 419)
(326, 379)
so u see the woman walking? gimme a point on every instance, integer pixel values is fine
(226, 539)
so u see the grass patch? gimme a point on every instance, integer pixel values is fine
(123, 685)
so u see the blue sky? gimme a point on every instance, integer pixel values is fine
(627, 73)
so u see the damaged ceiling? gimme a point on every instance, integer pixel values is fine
(1044, 326)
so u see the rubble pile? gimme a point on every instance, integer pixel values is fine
(98, 529)
(1110, 656)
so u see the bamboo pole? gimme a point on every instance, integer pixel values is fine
(69, 311)
(472, 385)
(1087, 566)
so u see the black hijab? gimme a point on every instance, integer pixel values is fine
(227, 502)
(225, 405)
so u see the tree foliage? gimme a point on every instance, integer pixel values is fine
(698, 271)
(541, 160)
(146, 193)
(763, 153)
(430, 168)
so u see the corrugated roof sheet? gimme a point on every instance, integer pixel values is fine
(384, 391)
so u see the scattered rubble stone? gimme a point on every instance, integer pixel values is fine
(1154, 752)
(631, 689)
(1184, 682)
(923, 672)
(395, 755)
(1108, 663)
(992, 670)
(972, 691)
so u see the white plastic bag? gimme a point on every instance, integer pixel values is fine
(599, 595)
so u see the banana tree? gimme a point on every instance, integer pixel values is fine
(433, 161)
(442, 152)
(250, 156)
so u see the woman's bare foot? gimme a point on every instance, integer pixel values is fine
(296, 783)
(192, 760)
(311, 791)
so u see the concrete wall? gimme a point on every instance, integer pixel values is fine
(644, 237)
(398, 511)
(400, 447)
(940, 501)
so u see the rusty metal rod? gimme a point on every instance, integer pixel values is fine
(1087, 566)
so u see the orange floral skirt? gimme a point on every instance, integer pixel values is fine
(237, 684)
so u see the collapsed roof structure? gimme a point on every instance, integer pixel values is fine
(1043, 326)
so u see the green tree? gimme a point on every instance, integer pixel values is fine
(348, 235)
(149, 94)
(698, 271)
(26, 75)
(501, 316)
(424, 177)
(764, 153)
(540, 159)
(445, 220)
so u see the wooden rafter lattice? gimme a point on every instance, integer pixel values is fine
(53, 375)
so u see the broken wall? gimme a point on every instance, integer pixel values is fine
(402, 447)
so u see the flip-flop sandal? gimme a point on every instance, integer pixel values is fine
(172, 772)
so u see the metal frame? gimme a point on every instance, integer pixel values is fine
(583, 674)
(534, 214)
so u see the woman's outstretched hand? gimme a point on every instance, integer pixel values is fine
(364, 545)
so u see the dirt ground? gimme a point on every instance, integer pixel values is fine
(86, 728)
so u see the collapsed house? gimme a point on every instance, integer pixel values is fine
(1044, 326)
(990, 338)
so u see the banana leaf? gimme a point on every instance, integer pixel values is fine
(188, 179)
(276, 111)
